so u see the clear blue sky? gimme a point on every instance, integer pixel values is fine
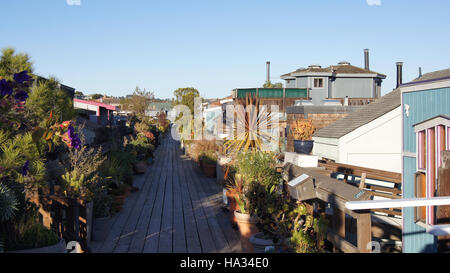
(110, 46)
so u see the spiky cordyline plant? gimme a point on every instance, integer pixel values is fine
(251, 128)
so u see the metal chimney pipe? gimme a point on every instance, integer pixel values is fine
(268, 71)
(399, 74)
(366, 59)
(420, 72)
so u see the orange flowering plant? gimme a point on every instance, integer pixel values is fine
(302, 129)
(65, 131)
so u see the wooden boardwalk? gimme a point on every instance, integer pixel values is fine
(176, 210)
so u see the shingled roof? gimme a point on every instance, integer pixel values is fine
(362, 116)
(338, 69)
(441, 74)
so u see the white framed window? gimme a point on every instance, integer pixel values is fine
(432, 137)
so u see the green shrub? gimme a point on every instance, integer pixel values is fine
(142, 147)
(260, 167)
(103, 204)
(119, 167)
(37, 236)
(208, 158)
(24, 232)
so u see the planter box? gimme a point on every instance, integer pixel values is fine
(89, 211)
(303, 146)
(60, 247)
(302, 160)
(208, 169)
(100, 229)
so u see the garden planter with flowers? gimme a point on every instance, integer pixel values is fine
(302, 131)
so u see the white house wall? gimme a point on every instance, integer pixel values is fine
(376, 145)
(326, 147)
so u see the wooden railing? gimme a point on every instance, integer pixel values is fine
(393, 192)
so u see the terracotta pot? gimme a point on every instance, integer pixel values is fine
(247, 227)
(120, 199)
(232, 207)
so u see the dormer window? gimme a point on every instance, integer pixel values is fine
(433, 137)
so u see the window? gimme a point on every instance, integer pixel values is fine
(318, 82)
(420, 191)
(432, 138)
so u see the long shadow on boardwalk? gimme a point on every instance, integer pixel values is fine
(176, 210)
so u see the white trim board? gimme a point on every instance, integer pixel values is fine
(426, 86)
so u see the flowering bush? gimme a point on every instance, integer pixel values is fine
(65, 131)
(13, 95)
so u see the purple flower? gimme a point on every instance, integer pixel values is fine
(74, 138)
(25, 168)
(21, 96)
(5, 88)
(22, 77)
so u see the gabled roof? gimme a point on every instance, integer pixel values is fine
(362, 116)
(336, 69)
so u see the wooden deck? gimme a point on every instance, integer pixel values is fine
(176, 210)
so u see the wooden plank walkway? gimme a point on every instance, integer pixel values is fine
(176, 210)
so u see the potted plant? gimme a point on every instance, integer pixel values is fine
(302, 131)
(309, 232)
(276, 221)
(245, 219)
(102, 214)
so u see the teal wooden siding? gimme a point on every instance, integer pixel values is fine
(415, 238)
(296, 93)
(270, 92)
(273, 92)
(423, 105)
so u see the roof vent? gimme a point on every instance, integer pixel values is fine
(344, 63)
(314, 66)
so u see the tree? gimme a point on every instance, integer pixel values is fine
(269, 84)
(12, 62)
(46, 96)
(186, 96)
(96, 96)
(79, 93)
(138, 102)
